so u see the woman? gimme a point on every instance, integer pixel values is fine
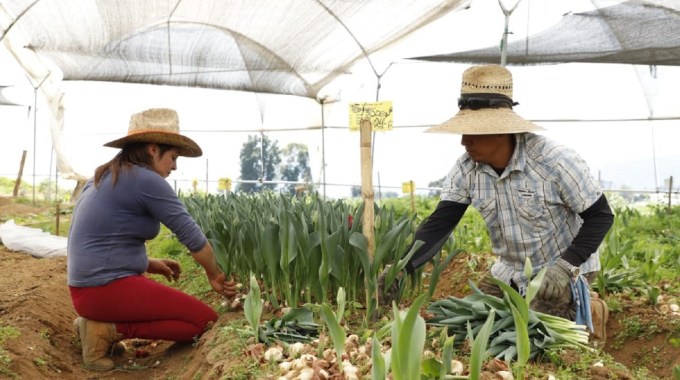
(118, 211)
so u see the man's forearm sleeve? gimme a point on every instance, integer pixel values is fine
(434, 232)
(597, 220)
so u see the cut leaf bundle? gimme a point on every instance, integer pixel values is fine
(545, 331)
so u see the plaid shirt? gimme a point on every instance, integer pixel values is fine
(531, 209)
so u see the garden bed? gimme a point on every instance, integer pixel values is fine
(37, 340)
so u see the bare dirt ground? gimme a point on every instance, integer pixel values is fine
(34, 299)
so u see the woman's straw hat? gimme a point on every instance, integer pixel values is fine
(486, 105)
(161, 126)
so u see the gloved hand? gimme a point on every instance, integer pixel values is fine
(386, 296)
(556, 284)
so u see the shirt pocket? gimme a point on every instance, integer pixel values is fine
(530, 214)
(487, 208)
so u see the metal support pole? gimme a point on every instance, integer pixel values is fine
(261, 157)
(323, 146)
(35, 118)
(35, 114)
(504, 41)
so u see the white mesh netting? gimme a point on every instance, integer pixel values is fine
(641, 32)
(290, 47)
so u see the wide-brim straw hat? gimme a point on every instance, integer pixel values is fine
(160, 126)
(487, 80)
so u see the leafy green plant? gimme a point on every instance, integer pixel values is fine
(471, 234)
(438, 269)
(6, 332)
(299, 247)
(544, 331)
(615, 273)
(652, 263)
(520, 313)
(297, 325)
(479, 344)
(432, 368)
(332, 320)
(408, 340)
(252, 307)
(635, 327)
(378, 369)
(653, 293)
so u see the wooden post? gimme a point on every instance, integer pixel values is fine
(367, 186)
(56, 232)
(413, 198)
(368, 218)
(21, 173)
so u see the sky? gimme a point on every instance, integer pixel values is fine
(636, 155)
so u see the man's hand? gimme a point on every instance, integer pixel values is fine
(555, 285)
(386, 297)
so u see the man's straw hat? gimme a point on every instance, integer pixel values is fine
(161, 126)
(486, 105)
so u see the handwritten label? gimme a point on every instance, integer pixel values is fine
(378, 113)
(224, 184)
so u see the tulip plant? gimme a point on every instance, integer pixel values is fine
(301, 250)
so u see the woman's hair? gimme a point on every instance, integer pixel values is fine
(131, 154)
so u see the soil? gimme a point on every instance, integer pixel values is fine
(34, 299)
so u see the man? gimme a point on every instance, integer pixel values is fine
(536, 197)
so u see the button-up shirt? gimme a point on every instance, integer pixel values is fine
(531, 208)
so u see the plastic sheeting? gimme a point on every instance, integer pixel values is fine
(33, 241)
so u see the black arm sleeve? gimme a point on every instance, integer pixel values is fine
(434, 232)
(597, 220)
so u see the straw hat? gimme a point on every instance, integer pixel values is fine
(161, 126)
(486, 105)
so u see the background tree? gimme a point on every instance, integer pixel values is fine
(438, 183)
(356, 191)
(295, 166)
(259, 158)
(390, 194)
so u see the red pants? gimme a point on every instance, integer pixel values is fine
(143, 308)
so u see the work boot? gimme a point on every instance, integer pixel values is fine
(96, 339)
(599, 312)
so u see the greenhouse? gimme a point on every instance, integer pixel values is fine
(312, 208)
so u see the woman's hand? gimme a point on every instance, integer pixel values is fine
(166, 267)
(223, 286)
(217, 278)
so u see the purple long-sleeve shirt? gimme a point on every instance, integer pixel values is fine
(110, 225)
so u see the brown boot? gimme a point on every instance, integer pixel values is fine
(600, 314)
(96, 339)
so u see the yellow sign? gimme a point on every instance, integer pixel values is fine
(378, 113)
(408, 187)
(224, 184)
